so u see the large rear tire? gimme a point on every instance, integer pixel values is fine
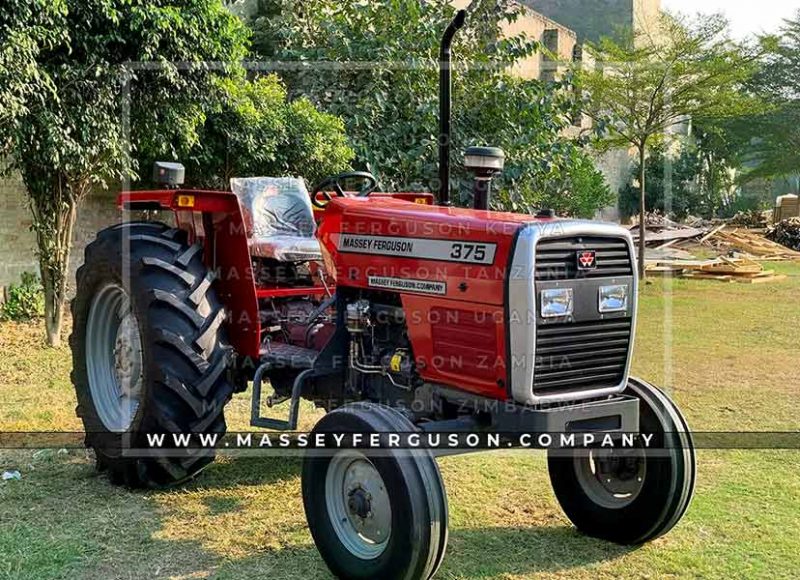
(630, 496)
(149, 353)
(375, 514)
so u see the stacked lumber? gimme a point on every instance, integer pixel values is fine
(750, 242)
(742, 270)
(723, 269)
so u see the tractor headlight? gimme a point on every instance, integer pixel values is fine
(556, 302)
(613, 298)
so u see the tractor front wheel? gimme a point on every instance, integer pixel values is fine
(375, 514)
(149, 353)
(630, 496)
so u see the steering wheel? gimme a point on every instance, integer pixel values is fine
(334, 181)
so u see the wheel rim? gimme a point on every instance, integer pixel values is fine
(611, 478)
(358, 505)
(114, 358)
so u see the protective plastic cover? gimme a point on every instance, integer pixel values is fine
(278, 217)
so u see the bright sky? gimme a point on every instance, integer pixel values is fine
(746, 16)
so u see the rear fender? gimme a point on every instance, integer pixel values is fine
(214, 220)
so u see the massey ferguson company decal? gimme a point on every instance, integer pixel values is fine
(420, 248)
(407, 285)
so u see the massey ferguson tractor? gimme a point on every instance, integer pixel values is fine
(396, 313)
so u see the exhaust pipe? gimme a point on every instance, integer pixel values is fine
(445, 89)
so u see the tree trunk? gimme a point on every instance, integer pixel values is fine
(642, 209)
(54, 257)
(54, 205)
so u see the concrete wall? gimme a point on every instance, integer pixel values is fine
(593, 19)
(18, 243)
(558, 39)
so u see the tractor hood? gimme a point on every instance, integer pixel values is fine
(461, 254)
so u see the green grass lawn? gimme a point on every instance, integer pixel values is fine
(727, 352)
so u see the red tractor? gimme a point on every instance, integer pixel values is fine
(395, 314)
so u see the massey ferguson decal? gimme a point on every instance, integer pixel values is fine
(587, 259)
(408, 285)
(419, 248)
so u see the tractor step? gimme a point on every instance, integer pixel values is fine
(288, 356)
(282, 356)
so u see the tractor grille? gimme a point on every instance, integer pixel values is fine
(580, 356)
(556, 259)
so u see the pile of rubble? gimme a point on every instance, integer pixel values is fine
(751, 219)
(670, 250)
(786, 233)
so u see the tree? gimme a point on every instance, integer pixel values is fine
(648, 83)
(375, 64)
(27, 27)
(254, 130)
(774, 136)
(683, 197)
(67, 139)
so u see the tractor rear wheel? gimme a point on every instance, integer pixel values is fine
(149, 353)
(379, 514)
(630, 496)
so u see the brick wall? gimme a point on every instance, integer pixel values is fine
(18, 243)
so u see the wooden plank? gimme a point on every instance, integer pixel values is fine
(711, 233)
(762, 280)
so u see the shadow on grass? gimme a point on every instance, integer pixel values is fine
(472, 553)
(236, 471)
(69, 522)
(491, 552)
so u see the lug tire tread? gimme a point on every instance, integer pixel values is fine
(185, 386)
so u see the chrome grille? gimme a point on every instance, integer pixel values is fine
(556, 259)
(578, 356)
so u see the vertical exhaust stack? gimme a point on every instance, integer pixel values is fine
(445, 88)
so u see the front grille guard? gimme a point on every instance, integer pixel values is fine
(521, 299)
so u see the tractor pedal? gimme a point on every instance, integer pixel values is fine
(256, 420)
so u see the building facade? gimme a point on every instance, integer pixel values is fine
(594, 19)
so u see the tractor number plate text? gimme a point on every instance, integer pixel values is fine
(419, 248)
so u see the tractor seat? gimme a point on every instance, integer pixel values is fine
(278, 218)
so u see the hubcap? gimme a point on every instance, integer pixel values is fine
(611, 478)
(114, 358)
(358, 505)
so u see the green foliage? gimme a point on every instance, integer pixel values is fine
(773, 138)
(687, 177)
(374, 64)
(649, 83)
(27, 28)
(67, 135)
(672, 185)
(254, 130)
(24, 301)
